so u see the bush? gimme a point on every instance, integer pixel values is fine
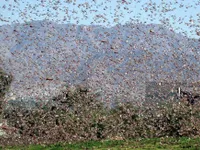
(73, 117)
(77, 116)
(5, 81)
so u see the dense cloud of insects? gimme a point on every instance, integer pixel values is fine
(82, 70)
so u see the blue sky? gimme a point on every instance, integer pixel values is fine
(181, 15)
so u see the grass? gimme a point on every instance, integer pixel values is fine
(136, 144)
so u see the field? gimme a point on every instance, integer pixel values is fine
(137, 144)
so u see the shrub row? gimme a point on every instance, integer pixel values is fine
(78, 116)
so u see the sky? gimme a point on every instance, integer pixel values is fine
(180, 15)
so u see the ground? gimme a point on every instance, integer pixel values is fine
(136, 144)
